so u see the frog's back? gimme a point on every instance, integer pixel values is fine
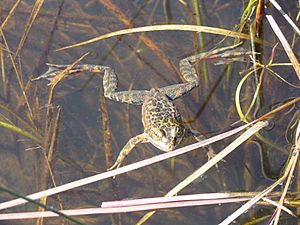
(158, 109)
(162, 121)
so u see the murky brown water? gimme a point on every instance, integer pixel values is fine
(80, 147)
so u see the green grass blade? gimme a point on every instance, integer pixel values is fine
(19, 131)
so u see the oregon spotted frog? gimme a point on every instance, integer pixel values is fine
(162, 121)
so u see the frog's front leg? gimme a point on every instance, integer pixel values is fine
(141, 138)
(199, 137)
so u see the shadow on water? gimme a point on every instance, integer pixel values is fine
(87, 136)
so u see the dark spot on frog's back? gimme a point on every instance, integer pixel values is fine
(168, 125)
(158, 104)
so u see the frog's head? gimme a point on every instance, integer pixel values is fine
(166, 135)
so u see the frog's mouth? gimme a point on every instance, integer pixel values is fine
(164, 146)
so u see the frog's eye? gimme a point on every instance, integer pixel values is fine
(179, 131)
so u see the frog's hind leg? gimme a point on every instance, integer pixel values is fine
(110, 84)
(188, 71)
(189, 75)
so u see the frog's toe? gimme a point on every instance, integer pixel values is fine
(116, 165)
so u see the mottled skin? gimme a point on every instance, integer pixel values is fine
(162, 122)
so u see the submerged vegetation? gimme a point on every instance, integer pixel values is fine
(66, 131)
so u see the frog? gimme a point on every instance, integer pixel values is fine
(162, 121)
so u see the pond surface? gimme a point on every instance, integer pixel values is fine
(92, 130)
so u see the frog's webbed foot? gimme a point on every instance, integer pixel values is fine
(52, 71)
(127, 149)
(55, 69)
(223, 55)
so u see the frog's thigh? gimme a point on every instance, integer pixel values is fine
(135, 97)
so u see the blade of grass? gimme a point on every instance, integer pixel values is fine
(288, 182)
(201, 40)
(114, 9)
(178, 198)
(19, 77)
(285, 44)
(20, 131)
(279, 77)
(290, 167)
(279, 206)
(54, 82)
(243, 116)
(21, 120)
(258, 16)
(246, 135)
(121, 170)
(35, 10)
(3, 73)
(290, 21)
(237, 96)
(45, 168)
(140, 164)
(95, 211)
(51, 209)
(118, 13)
(10, 14)
(106, 131)
(175, 27)
(199, 172)
(248, 10)
(156, 203)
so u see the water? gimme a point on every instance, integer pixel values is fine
(80, 147)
